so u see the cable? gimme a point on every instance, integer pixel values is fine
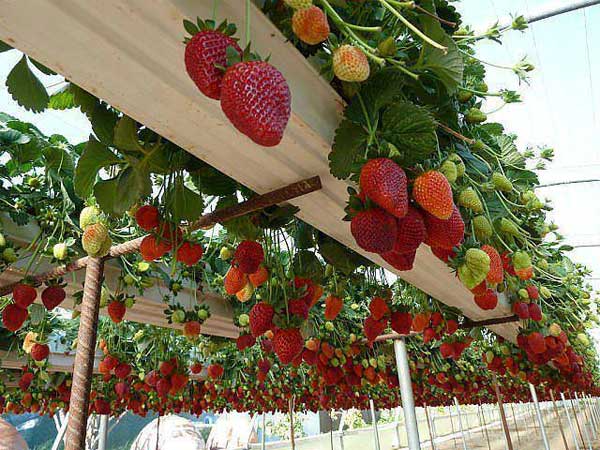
(589, 63)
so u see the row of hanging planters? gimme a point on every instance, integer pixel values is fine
(425, 168)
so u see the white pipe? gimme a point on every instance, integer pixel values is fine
(585, 424)
(406, 392)
(539, 416)
(374, 422)
(103, 432)
(460, 424)
(571, 427)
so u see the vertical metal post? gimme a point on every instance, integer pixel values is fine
(397, 426)
(452, 426)
(263, 438)
(590, 414)
(585, 429)
(406, 392)
(84, 356)
(502, 415)
(429, 427)
(593, 412)
(460, 424)
(374, 422)
(292, 437)
(538, 411)
(487, 437)
(571, 427)
(557, 415)
(103, 432)
(512, 408)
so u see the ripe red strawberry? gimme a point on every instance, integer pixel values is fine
(152, 248)
(535, 312)
(451, 327)
(178, 382)
(102, 406)
(248, 256)
(53, 296)
(152, 378)
(122, 370)
(111, 362)
(522, 310)
(121, 389)
(433, 193)
(196, 368)
(525, 273)
(215, 371)
(235, 280)
(24, 295)
(163, 386)
(256, 99)
(374, 230)
(373, 328)
(445, 234)
(259, 277)
(191, 329)
(298, 307)
(261, 318)
(116, 311)
(333, 306)
(411, 231)
(384, 182)
(496, 273)
(378, 308)
(310, 25)
(487, 301)
(204, 52)
(536, 343)
(13, 317)
(245, 341)
(287, 344)
(147, 217)
(400, 261)
(480, 289)
(189, 253)
(401, 322)
(166, 368)
(447, 350)
(39, 352)
(532, 292)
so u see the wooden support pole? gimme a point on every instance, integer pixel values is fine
(84, 357)
(556, 413)
(502, 415)
(256, 203)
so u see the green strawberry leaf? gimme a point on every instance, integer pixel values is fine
(62, 99)
(119, 194)
(210, 181)
(381, 90)
(340, 257)
(448, 66)
(350, 140)
(306, 265)
(103, 123)
(25, 88)
(86, 101)
(125, 136)
(95, 156)
(59, 160)
(411, 129)
(240, 227)
(182, 202)
(4, 47)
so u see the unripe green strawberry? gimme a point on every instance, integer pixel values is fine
(225, 253)
(464, 96)
(2, 241)
(88, 216)
(475, 115)
(501, 183)
(387, 47)
(469, 199)
(94, 237)
(298, 4)
(545, 292)
(543, 264)
(203, 314)
(129, 302)
(477, 146)
(244, 320)
(481, 87)
(9, 255)
(554, 330)
(448, 168)
(508, 227)
(59, 251)
(178, 316)
(523, 294)
(582, 337)
(521, 260)
(483, 228)
(478, 261)
(350, 64)
(460, 165)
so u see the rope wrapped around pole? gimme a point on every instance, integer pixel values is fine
(84, 357)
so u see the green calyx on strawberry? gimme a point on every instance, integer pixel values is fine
(206, 54)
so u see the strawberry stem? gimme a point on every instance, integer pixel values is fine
(247, 24)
